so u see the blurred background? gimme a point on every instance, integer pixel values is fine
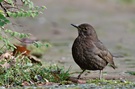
(112, 19)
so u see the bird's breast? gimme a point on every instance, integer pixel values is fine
(84, 57)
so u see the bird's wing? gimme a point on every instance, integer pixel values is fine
(100, 50)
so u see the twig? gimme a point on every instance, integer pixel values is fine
(9, 7)
(5, 10)
(6, 2)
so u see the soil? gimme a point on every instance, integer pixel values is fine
(113, 20)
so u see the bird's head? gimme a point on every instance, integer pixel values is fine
(85, 30)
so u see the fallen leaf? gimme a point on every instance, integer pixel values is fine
(7, 60)
(41, 84)
(81, 81)
(7, 55)
(34, 59)
(77, 80)
(21, 49)
(25, 83)
(49, 83)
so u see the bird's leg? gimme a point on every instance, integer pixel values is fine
(100, 74)
(80, 74)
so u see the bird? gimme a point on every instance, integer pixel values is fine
(89, 52)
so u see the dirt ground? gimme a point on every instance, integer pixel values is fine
(113, 20)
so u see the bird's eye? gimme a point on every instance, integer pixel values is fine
(85, 29)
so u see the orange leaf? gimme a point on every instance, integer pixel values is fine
(21, 49)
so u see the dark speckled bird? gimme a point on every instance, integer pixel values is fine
(89, 52)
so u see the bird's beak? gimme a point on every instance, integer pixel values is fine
(74, 26)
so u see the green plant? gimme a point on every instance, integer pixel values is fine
(23, 70)
(19, 70)
(16, 9)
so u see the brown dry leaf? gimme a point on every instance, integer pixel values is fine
(34, 59)
(49, 83)
(25, 83)
(32, 82)
(7, 55)
(46, 83)
(77, 80)
(21, 49)
(41, 84)
(24, 51)
(81, 81)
